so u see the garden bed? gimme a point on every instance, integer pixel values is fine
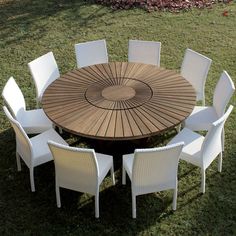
(154, 5)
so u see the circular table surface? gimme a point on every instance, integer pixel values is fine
(119, 100)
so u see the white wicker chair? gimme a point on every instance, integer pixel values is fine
(201, 151)
(152, 170)
(81, 170)
(195, 69)
(32, 121)
(202, 117)
(91, 53)
(33, 151)
(44, 71)
(147, 52)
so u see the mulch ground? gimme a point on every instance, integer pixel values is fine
(164, 5)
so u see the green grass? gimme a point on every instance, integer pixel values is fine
(29, 29)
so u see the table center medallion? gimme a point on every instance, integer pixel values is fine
(119, 94)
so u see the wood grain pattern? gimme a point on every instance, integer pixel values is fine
(119, 100)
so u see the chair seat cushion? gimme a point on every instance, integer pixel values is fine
(201, 118)
(41, 152)
(105, 163)
(128, 160)
(192, 146)
(35, 121)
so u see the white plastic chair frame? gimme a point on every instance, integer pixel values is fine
(202, 117)
(201, 151)
(147, 52)
(195, 69)
(91, 53)
(80, 169)
(33, 121)
(33, 151)
(152, 170)
(44, 71)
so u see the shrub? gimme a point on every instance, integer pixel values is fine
(152, 5)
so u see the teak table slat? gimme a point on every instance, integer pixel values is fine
(119, 100)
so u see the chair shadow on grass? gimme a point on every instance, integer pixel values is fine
(77, 212)
(115, 207)
(115, 201)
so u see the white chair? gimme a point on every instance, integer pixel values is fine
(32, 121)
(91, 53)
(80, 169)
(195, 68)
(202, 117)
(44, 71)
(152, 170)
(147, 52)
(201, 151)
(33, 151)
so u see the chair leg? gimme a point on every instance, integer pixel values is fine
(18, 162)
(178, 128)
(97, 204)
(133, 205)
(203, 180)
(112, 175)
(203, 100)
(123, 175)
(32, 179)
(58, 197)
(223, 139)
(60, 130)
(175, 199)
(220, 162)
(37, 103)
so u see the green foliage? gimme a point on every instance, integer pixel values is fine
(29, 29)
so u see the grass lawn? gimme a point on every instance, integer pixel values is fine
(28, 29)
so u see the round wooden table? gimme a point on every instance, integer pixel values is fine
(119, 101)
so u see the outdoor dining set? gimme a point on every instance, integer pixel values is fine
(119, 101)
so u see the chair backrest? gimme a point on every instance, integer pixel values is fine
(147, 52)
(195, 68)
(91, 53)
(212, 145)
(14, 98)
(23, 144)
(156, 168)
(44, 71)
(223, 92)
(76, 168)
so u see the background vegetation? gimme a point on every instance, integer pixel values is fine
(154, 5)
(29, 29)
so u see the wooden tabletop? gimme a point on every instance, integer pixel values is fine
(119, 100)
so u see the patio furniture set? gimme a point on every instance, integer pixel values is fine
(119, 101)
